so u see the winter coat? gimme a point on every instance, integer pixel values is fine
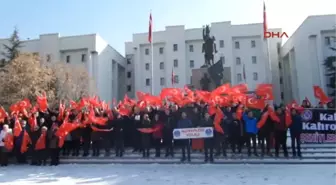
(184, 123)
(96, 135)
(2, 138)
(296, 126)
(195, 118)
(236, 128)
(118, 130)
(250, 124)
(207, 123)
(159, 133)
(282, 125)
(53, 139)
(146, 137)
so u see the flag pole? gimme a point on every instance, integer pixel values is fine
(152, 53)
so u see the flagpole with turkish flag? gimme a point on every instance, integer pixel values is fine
(150, 40)
(265, 29)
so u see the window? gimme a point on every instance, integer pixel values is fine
(161, 65)
(175, 63)
(221, 43)
(129, 74)
(280, 66)
(281, 80)
(129, 88)
(83, 57)
(191, 63)
(147, 66)
(239, 77)
(191, 48)
(176, 79)
(237, 45)
(253, 44)
(161, 50)
(175, 47)
(68, 59)
(147, 51)
(48, 58)
(282, 95)
(327, 41)
(162, 81)
(128, 61)
(254, 60)
(222, 58)
(147, 82)
(238, 61)
(255, 76)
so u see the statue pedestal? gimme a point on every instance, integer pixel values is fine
(198, 74)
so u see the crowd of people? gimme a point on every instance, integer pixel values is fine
(42, 134)
(238, 133)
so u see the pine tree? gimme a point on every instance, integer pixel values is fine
(12, 50)
(330, 64)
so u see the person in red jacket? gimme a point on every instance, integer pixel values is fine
(157, 134)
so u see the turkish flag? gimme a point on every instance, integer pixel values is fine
(319, 94)
(265, 91)
(218, 118)
(255, 103)
(25, 142)
(3, 113)
(42, 102)
(263, 120)
(17, 127)
(150, 32)
(240, 88)
(223, 89)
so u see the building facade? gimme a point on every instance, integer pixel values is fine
(178, 50)
(302, 58)
(104, 64)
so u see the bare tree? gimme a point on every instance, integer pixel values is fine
(72, 81)
(25, 77)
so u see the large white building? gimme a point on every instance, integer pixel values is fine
(104, 64)
(303, 55)
(180, 50)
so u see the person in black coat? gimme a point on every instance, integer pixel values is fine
(34, 136)
(118, 133)
(236, 134)
(146, 137)
(137, 119)
(265, 135)
(208, 142)
(169, 125)
(295, 132)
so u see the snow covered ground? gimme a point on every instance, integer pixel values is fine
(156, 174)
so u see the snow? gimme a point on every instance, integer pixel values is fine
(156, 174)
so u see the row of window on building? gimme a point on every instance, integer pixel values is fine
(176, 79)
(329, 40)
(68, 58)
(240, 77)
(191, 47)
(192, 62)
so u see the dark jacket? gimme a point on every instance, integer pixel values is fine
(195, 119)
(282, 125)
(184, 123)
(236, 128)
(206, 123)
(296, 126)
